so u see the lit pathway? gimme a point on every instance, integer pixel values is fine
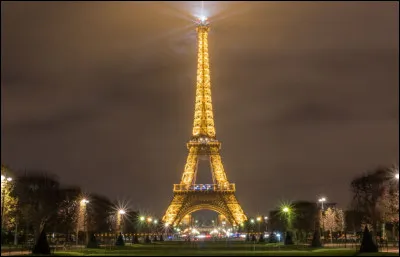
(15, 253)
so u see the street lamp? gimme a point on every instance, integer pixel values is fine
(396, 176)
(120, 220)
(266, 223)
(259, 224)
(148, 225)
(322, 200)
(81, 218)
(286, 210)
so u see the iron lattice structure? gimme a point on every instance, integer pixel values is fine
(189, 196)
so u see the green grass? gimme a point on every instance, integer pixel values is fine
(215, 249)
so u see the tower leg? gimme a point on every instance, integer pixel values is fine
(218, 168)
(174, 208)
(190, 167)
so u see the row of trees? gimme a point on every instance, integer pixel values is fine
(375, 204)
(35, 204)
(35, 201)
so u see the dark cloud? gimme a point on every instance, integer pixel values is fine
(102, 94)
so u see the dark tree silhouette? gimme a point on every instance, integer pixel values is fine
(161, 238)
(41, 246)
(135, 239)
(261, 239)
(98, 213)
(120, 240)
(316, 241)
(93, 242)
(369, 196)
(288, 238)
(39, 196)
(273, 238)
(367, 244)
(147, 240)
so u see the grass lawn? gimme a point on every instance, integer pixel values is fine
(214, 249)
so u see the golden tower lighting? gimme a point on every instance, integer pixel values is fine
(189, 196)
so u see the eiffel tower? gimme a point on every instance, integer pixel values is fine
(189, 196)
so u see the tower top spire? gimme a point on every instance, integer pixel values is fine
(203, 125)
(203, 21)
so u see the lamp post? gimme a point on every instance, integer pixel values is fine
(149, 222)
(155, 222)
(81, 217)
(259, 224)
(322, 200)
(286, 210)
(121, 213)
(266, 223)
(396, 177)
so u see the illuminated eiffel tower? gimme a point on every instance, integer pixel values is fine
(188, 196)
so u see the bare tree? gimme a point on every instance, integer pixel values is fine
(333, 220)
(341, 225)
(329, 221)
(370, 196)
(38, 195)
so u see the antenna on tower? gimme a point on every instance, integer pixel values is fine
(203, 18)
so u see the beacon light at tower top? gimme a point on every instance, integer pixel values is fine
(203, 20)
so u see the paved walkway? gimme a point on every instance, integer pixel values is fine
(15, 253)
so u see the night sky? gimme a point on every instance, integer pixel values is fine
(305, 95)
